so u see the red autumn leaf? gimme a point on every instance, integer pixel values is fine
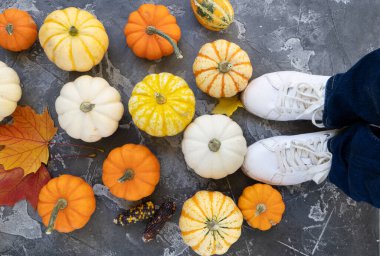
(15, 187)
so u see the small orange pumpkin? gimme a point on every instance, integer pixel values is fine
(18, 31)
(66, 203)
(131, 172)
(262, 206)
(152, 32)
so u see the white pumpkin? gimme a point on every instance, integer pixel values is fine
(214, 146)
(89, 108)
(10, 90)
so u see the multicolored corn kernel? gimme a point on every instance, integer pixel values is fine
(141, 212)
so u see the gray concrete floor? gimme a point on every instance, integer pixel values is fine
(316, 36)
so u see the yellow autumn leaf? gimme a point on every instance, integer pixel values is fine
(227, 106)
(26, 140)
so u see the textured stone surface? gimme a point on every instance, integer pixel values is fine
(317, 36)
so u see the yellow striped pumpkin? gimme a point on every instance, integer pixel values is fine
(222, 69)
(214, 15)
(73, 39)
(210, 223)
(162, 105)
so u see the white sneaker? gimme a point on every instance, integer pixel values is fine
(286, 96)
(290, 160)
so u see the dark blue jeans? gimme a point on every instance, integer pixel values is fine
(353, 101)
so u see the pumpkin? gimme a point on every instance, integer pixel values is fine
(18, 31)
(214, 15)
(152, 32)
(210, 223)
(262, 206)
(131, 172)
(162, 104)
(10, 90)
(73, 39)
(214, 146)
(89, 108)
(222, 69)
(66, 203)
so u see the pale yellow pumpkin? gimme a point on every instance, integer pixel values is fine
(10, 90)
(222, 69)
(73, 39)
(162, 105)
(210, 223)
(213, 14)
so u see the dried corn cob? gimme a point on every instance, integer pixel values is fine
(141, 212)
(161, 216)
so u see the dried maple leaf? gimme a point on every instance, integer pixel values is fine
(26, 141)
(15, 187)
(227, 106)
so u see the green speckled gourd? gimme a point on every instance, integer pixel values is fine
(214, 15)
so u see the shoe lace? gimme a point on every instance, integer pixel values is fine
(303, 99)
(311, 155)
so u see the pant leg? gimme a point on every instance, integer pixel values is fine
(354, 96)
(356, 163)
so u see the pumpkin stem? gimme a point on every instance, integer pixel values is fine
(150, 30)
(212, 225)
(9, 28)
(128, 175)
(225, 66)
(60, 205)
(214, 145)
(73, 31)
(260, 208)
(86, 107)
(160, 98)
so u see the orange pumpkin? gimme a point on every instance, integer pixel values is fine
(18, 31)
(152, 32)
(131, 172)
(66, 203)
(262, 206)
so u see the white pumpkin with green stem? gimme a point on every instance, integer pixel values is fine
(89, 108)
(214, 146)
(10, 90)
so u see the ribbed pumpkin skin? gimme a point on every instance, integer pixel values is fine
(207, 69)
(10, 90)
(214, 15)
(198, 155)
(261, 194)
(206, 206)
(166, 119)
(24, 32)
(69, 52)
(151, 47)
(80, 198)
(101, 121)
(144, 164)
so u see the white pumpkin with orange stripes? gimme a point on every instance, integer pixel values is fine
(73, 39)
(210, 223)
(222, 69)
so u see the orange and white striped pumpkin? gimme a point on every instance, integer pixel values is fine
(222, 69)
(210, 223)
